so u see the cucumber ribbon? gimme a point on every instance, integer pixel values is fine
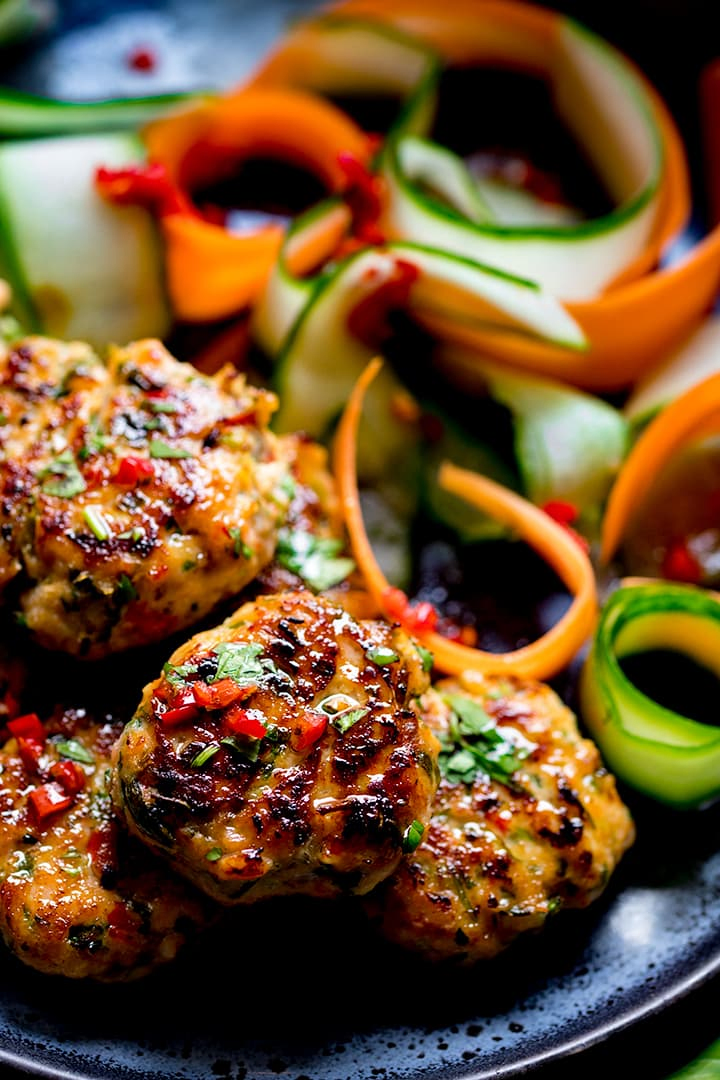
(667, 756)
(635, 308)
(24, 115)
(542, 658)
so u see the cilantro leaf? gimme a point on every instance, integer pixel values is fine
(313, 558)
(243, 664)
(65, 480)
(161, 449)
(474, 744)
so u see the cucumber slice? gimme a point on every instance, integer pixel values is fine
(459, 447)
(310, 241)
(606, 106)
(26, 115)
(696, 359)
(568, 445)
(78, 267)
(443, 174)
(321, 359)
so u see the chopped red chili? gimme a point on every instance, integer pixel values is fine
(27, 727)
(30, 751)
(242, 722)
(220, 694)
(308, 730)
(142, 59)
(142, 185)
(368, 321)
(49, 799)
(680, 564)
(415, 618)
(562, 512)
(182, 709)
(123, 923)
(133, 470)
(364, 196)
(69, 775)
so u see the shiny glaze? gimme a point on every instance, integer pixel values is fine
(78, 897)
(321, 820)
(498, 859)
(187, 533)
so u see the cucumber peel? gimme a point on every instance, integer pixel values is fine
(667, 756)
(696, 359)
(607, 107)
(25, 115)
(78, 267)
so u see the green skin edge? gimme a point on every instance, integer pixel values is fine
(603, 683)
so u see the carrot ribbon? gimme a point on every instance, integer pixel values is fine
(542, 658)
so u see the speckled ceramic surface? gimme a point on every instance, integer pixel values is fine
(298, 990)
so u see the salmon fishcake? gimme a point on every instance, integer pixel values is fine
(281, 753)
(136, 494)
(78, 896)
(526, 820)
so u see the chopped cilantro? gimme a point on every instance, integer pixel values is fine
(178, 676)
(65, 480)
(248, 747)
(204, 755)
(189, 564)
(242, 663)
(214, 854)
(288, 487)
(239, 546)
(345, 720)
(161, 406)
(96, 523)
(160, 449)
(313, 558)
(125, 591)
(3, 419)
(382, 656)
(412, 836)
(75, 751)
(426, 656)
(474, 744)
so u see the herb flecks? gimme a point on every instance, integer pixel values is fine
(474, 744)
(161, 449)
(412, 836)
(382, 655)
(62, 477)
(313, 558)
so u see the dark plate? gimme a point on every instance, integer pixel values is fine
(301, 990)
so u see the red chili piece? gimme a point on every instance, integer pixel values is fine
(416, 618)
(182, 709)
(30, 751)
(241, 722)
(133, 470)
(680, 564)
(49, 799)
(220, 694)
(142, 59)
(364, 196)
(142, 185)
(368, 321)
(311, 727)
(562, 512)
(27, 727)
(69, 775)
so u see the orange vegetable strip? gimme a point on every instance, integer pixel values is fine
(683, 419)
(544, 657)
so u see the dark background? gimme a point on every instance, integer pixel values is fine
(671, 42)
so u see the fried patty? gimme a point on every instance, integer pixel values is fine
(526, 821)
(281, 753)
(136, 494)
(78, 897)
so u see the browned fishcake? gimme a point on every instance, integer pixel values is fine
(281, 752)
(501, 855)
(78, 897)
(135, 493)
